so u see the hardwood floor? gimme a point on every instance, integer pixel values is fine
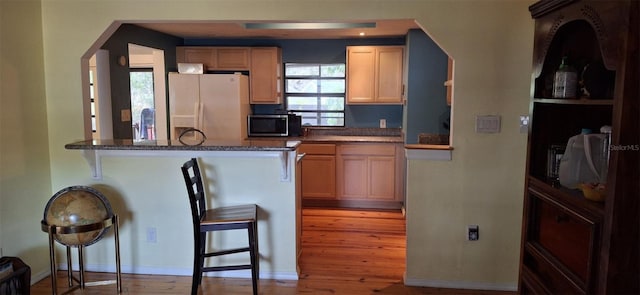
(363, 246)
(344, 252)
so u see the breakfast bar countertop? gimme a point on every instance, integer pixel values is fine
(95, 150)
(279, 145)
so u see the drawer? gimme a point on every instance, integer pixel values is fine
(566, 235)
(540, 277)
(317, 148)
(368, 149)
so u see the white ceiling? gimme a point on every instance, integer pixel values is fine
(236, 29)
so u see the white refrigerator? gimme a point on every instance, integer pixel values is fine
(216, 104)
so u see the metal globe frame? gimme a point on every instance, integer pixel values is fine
(54, 230)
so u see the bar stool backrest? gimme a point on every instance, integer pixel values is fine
(195, 189)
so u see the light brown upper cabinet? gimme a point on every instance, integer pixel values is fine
(215, 58)
(199, 55)
(232, 58)
(266, 75)
(374, 74)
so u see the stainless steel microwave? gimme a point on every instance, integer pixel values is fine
(268, 125)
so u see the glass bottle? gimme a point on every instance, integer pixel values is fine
(605, 152)
(565, 82)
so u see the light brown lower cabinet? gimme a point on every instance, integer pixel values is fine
(366, 171)
(353, 175)
(318, 171)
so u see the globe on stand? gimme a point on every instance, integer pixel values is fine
(77, 206)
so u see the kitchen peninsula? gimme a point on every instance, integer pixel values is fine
(264, 172)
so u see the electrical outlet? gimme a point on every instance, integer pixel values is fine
(473, 233)
(383, 123)
(152, 235)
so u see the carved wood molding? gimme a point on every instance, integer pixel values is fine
(543, 7)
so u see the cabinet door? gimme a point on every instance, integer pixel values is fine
(381, 180)
(374, 74)
(318, 176)
(232, 58)
(388, 82)
(367, 172)
(361, 74)
(561, 243)
(265, 75)
(216, 58)
(205, 55)
(353, 177)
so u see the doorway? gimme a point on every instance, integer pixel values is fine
(142, 104)
(146, 79)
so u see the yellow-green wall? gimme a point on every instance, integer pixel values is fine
(25, 176)
(491, 42)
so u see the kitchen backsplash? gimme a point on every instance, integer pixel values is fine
(355, 131)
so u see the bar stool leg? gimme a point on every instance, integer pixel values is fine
(252, 256)
(257, 250)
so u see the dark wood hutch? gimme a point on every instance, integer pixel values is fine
(571, 245)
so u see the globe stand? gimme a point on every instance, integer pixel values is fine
(54, 230)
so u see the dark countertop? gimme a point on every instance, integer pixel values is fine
(346, 135)
(281, 144)
(343, 134)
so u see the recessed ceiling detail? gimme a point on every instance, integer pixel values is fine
(281, 30)
(308, 26)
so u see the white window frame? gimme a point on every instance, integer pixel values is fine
(318, 112)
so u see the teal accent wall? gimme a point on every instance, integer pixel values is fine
(118, 45)
(426, 109)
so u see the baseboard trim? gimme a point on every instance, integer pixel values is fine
(292, 276)
(428, 154)
(459, 285)
(40, 276)
(353, 204)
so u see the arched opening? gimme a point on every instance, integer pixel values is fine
(423, 116)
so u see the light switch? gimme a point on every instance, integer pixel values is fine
(125, 115)
(487, 124)
(524, 124)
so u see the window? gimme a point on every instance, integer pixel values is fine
(316, 92)
(92, 98)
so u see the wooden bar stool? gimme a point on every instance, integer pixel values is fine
(218, 219)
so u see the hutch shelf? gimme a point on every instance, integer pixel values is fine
(572, 245)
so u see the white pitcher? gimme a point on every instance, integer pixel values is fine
(585, 160)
